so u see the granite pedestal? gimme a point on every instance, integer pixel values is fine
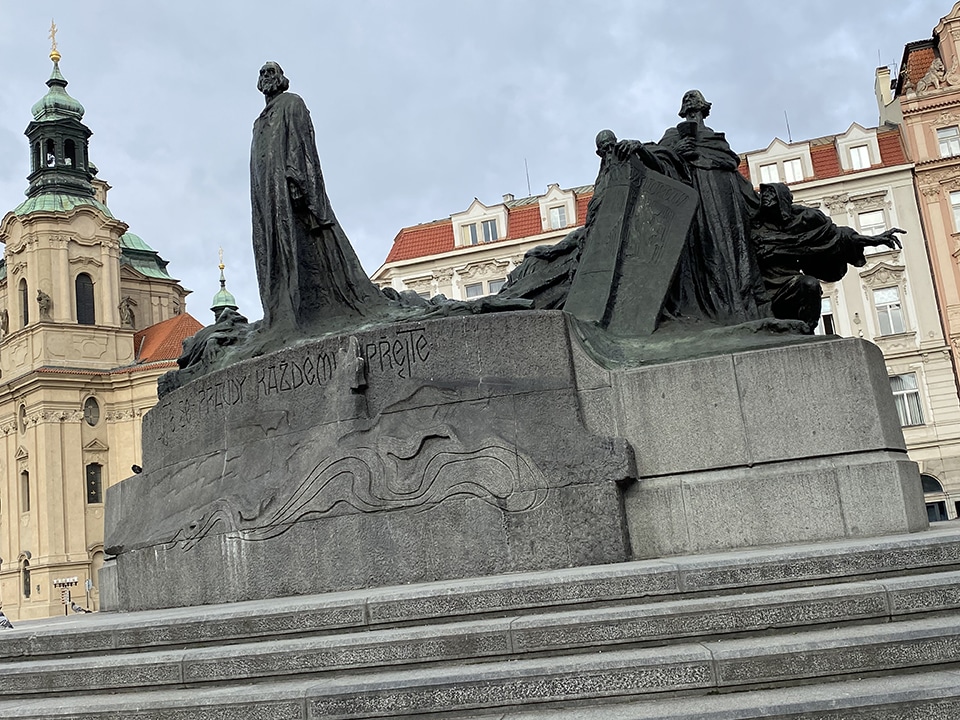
(465, 447)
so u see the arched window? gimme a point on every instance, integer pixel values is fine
(86, 314)
(24, 302)
(51, 158)
(94, 484)
(35, 161)
(25, 491)
(25, 576)
(69, 153)
(930, 484)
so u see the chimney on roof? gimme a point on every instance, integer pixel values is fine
(888, 107)
(508, 197)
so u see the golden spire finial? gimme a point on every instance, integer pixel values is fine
(221, 260)
(54, 53)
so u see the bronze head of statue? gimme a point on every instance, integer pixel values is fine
(272, 80)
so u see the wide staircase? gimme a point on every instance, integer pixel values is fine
(856, 629)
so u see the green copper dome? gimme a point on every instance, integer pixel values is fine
(57, 104)
(224, 298)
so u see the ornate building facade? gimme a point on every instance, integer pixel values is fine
(90, 319)
(864, 179)
(923, 100)
(469, 254)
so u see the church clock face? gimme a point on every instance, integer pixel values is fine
(91, 411)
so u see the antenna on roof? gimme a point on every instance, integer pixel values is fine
(787, 121)
(527, 170)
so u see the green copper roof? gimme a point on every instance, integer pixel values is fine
(129, 241)
(58, 203)
(56, 104)
(224, 298)
(135, 253)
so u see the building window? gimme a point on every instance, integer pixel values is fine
(793, 170)
(937, 511)
(769, 173)
(94, 484)
(489, 230)
(24, 302)
(51, 154)
(825, 326)
(86, 314)
(889, 312)
(558, 217)
(860, 157)
(955, 206)
(91, 411)
(930, 484)
(25, 491)
(473, 290)
(906, 395)
(872, 223)
(69, 153)
(25, 577)
(468, 234)
(495, 286)
(949, 140)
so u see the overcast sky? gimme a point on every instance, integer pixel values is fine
(419, 105)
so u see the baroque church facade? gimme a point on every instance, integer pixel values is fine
(90, 318)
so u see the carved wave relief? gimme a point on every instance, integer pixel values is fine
(376, 472)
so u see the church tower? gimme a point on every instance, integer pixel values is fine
(89, 320)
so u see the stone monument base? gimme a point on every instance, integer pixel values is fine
(772, 446)
(474, 446)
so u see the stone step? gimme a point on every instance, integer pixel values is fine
(617, 685)
(506, 595)
(584, 630)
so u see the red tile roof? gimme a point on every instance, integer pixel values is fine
(164, 341)
(826, 162)
(421, 240)
(918, 62)
(523, 220)
(891, 147)
(582, 202)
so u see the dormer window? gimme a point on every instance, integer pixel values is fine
(793, 170)
(860, 157)
(558, 217)
(949, 141)
(769, 174)
(472, 235)
(479, 224)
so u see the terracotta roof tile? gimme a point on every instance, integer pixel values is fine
(825, 161)
(582, 202)
(891, 148)
(524, 221)
(420, 240)
(164, 341)
(918, 62)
